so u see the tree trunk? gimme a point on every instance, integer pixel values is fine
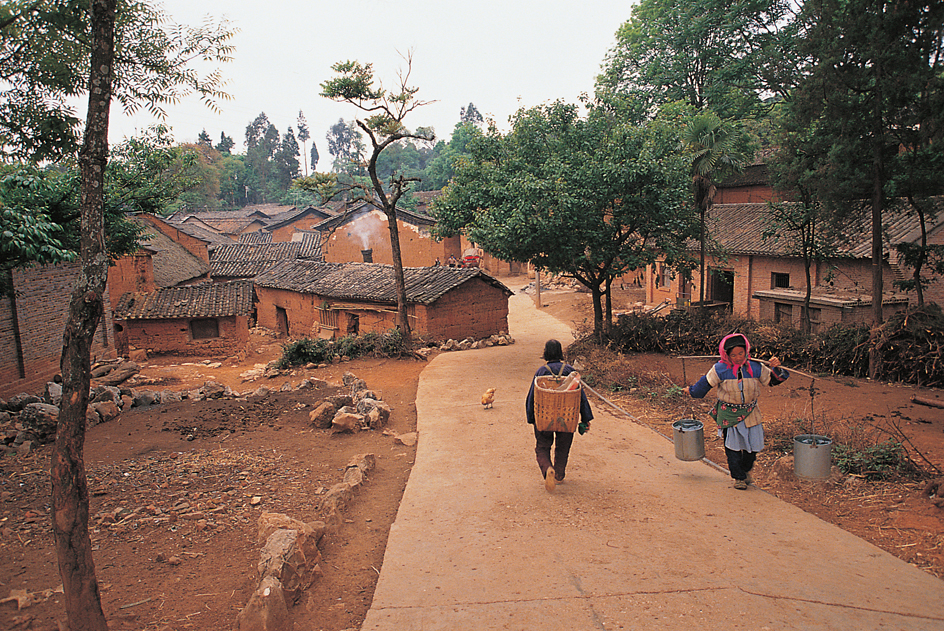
(70, 498)
(875, 360)
(608, 315)
(403, 321)
(597, 295)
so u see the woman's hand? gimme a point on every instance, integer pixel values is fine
(687, 391)
(774, 362)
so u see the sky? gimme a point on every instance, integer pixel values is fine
(499, 55)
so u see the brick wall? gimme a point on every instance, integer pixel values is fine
(174, 336)
(370, 231)
(195, 246)
(300, 309)
(133, 273)
(474, 309)
(284, 234)
(41, 312)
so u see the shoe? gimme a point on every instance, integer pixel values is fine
(549, 480)
(740, 485)
(749, 479)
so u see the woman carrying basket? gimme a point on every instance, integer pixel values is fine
(554, 472)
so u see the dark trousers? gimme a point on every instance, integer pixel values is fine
(542, 449)
(739, 462)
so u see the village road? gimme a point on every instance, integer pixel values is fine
(634, 539)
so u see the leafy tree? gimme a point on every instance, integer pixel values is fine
(712, 54)
(345, 143)
(314, 155)
(875, 84)
(65, 49)
(262, 143)
(718, 149)
(590, 197)
(303, 137)
(384, 126)
(442, 167)
(44, 61)
(285, 162)
(226, 143)
(470, 114)
(204, 139)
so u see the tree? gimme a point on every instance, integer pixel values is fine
(262, 143)
(470, 115)
(303, 137)
(442, 167)
(285, 162)
(712, 54)
(226, 143)
(384, 126)
(314, 155)
(718, 149)
(44, 62)
(590, 197)
(876, 77)
(67, 49)
(346, 145)
(204, 139)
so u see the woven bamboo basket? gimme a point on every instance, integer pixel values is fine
(555, 410)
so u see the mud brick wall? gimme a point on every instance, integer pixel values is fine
(130, 273)
(303, 316)
(474, 309)
(195, 246)
(174, 336)
(39, 314)
(284, 233)
(370, 231)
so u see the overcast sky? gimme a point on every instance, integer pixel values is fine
(498, 54)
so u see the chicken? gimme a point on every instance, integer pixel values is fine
(488, 398)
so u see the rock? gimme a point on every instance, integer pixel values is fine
(317, 384)
(270, 522)
(92, 417)
(322, 416)
(266, 609)
(121, 373)
(291, 557)
(348, 379)
(340, 400)
(377, 412)
(214, 390)
(126, 402)
(144, 398)
(138, 355)
(346, 422)
(366, 394)
(105, 393)
(40, 420)
(408, 439)
(107, 410)
(53, 393)
(20, 401)
(286, 387)
(24, 448)
(169, 396)
(260, 392)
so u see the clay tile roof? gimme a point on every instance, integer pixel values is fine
(172, 263)
(740, 228)
(371, 282)
(257, 236)
(207, 300)
(246, 260)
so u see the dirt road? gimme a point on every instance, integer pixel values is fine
(633, 539)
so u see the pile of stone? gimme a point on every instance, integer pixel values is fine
(289, 560)
(28, 421)
(502, 339)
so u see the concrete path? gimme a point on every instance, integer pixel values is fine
(634, 539)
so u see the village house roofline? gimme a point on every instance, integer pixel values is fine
(362, 207)
(256, 236)
(840, 299)
(246, 260)
(740, 228)
(211, 237)
(207, 300)
(373, 282)
(172, 263)
(284, 219)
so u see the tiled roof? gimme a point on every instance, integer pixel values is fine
(288, 217)
(246, 260)
(258, 236)
(371, 282)
(360, 208)
(207, 300)
(172, 263)
(740, 228)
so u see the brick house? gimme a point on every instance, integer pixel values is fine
(32, 323)
(762, 279)
(329, 300)
(207, 319)
(285, 225)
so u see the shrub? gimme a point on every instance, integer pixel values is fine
(307, 350)
(877, 462)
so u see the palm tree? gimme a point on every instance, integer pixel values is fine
(719, 149)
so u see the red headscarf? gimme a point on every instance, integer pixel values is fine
(747, 352)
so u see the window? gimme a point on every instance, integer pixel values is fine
(783, 312)
(779, 280)
(666, 276)
(204, 329)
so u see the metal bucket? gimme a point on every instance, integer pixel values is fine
(689, 437)
(812, 456)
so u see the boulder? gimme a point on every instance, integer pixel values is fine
(40, 420)
(340, 400)
(144, 398)
(292, 557)
(105, 393)
(270, 522)
(19, 401)
(53, 393)
(266, 609)
(322, 416)
(346, 422)
(123, 372)
(376, 412)
(366, 394)
(107, 410)
(214, 390)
